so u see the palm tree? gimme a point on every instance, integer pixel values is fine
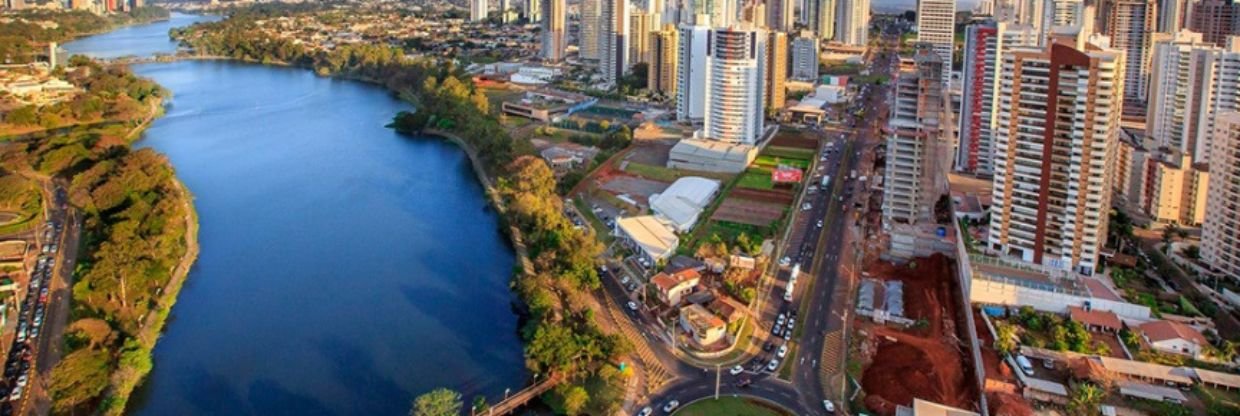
(1085, 399)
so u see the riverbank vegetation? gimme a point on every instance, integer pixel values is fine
(110, 95)
(135, 236)
(24, 38)
(560, 333)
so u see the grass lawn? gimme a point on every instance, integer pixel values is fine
(773, 161)
(728, 231)
(731, 406)
(788, 362)
(756, 178)
(652, 172)
(788, 153)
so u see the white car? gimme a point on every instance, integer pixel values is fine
(773, 365)
(785, 261)
(783, 350)
(646, 411)
(830, 407)
(670, 406)
(781, 319)
(806, 206)
(632, 306)
(736, 370)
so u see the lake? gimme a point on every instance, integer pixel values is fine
(344, 269)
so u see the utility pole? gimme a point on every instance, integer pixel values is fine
(718, 378)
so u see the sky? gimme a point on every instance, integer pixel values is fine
(888, 6)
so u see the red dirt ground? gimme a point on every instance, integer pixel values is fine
(929, 363)
(794, 139)
(778, 197)
(748, 212)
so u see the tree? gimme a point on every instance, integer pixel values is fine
(1192, 252)
(1085, 399)
(438, 402)
(1005, 338)
(575, 399)
(480, 405)
(22, 116)
(79, 377)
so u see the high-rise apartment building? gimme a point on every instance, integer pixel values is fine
(820, 17)
(805, 57)
(1220, 234)
(984, 44)
(614, 39)
(936, 22)
(779, 15)
(691, 71)
(1066, 13)
(735, 84)
(477, 10)
(533, 11)
(1215, 20)
(506, 13)
(553, 39)
(1130, 24)
(1172, 15)
(589, 26)
(1192, 82)
(852, 22)
(641, 24)
(1055, 151)
(776, 70)
(662, 71)
(918, 140)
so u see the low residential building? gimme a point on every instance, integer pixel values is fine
(1096, 320)
(546, 105)
(672, 287)
(705, 327)
(1174, 337)
(651, 239)
(727, 308)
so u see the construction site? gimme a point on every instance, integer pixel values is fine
(923, 354)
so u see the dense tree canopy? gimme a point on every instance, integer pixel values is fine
(438, 402)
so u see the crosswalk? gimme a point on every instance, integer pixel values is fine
(656, 374)
(829, 359)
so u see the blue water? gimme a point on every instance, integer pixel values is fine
(344, 268)
(141, 40)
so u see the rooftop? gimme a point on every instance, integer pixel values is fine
(1165, 330)
(1105, 319)
(647, 232)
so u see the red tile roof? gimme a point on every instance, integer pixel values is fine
(1165, 330)
(1105, 319)
(666, 281)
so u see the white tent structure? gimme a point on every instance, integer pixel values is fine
(680, 204)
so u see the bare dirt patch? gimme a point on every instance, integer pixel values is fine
(759, 195)
(797, 139)
(929, 362)
(748, 212)
(637, 188)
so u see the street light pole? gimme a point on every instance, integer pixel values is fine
(718, 377)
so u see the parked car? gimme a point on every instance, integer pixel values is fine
(828, 406)
(783, 350)
(736, 370)
(646, 411)
(632, 306)
(773, 365)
